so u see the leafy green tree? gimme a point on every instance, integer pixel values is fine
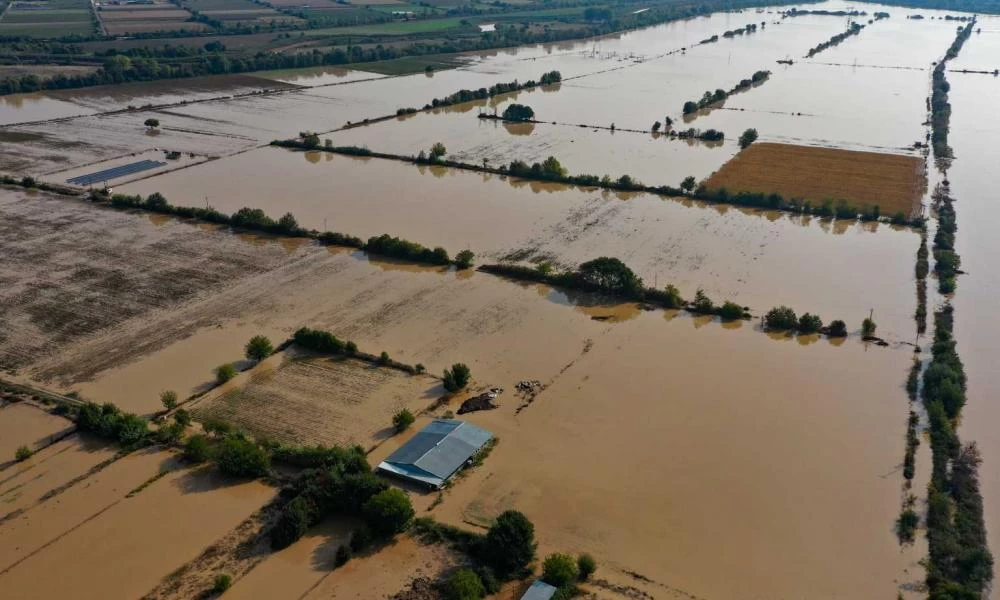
(509, 545)
(518, 112)
(457, 378)
(287, 223)
(559, 570)
(730, 311)
(182, 418)
(463, 260)
(690, 107)
(702, 303)
(464, 585)
(402, 420)
(689, 184)
(152, 123)
(781, 318)
(388, 512)
(868, 328)
(169, 399)
(22, 453)
(258, 348)
(197, 449)
(609, 274)
(310, 139)
(656, 126)
(383, 359)
(586, 565)
(748, 137)
(224, 373)
(672, 297)
(351, 348)
(437, 151)
(292, 524)
(157, 201)
(240, 457)
(809, 323)
(553, 169)
(837, 328)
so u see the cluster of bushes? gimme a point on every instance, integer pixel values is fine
(960, 564)
(109, 422)
(611, 276)
(340, 481)
(796, 12)
(751, 28)
(709, 98)
(564, 572)
(495, 90)
(518, 112)
(327, 343)
(854, 29)
(783, 318)
(387, 245)
(29, 182)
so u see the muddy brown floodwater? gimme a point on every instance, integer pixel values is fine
(693, 458)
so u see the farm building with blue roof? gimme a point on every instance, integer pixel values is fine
(436, 452)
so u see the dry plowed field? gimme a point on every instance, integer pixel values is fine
(317, 400)
(893, 182)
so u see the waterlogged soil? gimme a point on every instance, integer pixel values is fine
(319, 400)
(23, 424)
(73, 270)
(745, 255)
(183, 511)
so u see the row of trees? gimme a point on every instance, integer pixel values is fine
(947, 262)
(255, 219)
(483, 93)
(960, 564)
(940, 107)
(709, 98)
(853, 29)
(783, 318)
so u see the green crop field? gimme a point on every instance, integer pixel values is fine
(395, 28)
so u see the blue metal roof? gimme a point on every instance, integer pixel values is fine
(539, 590)
(437, 451)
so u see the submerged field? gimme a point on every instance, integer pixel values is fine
(693, 457)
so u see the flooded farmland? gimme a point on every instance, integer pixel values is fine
(693, 457)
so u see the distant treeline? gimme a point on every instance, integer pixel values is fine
(709, 98)
(977, 6)
(751, 28)
(854, 29)
(795, 12)
(960, 564)
(483, 93)
(255, 219)
(115, 70)
(939, 105)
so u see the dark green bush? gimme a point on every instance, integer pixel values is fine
(464, 584)
(258, 348)
(295, 519)
(586, 565)
(197, 449)
(560, 570)
(457, 378)
(402, 420)
(509, 545)
(222, 583)
(240, 457)
(809, 323)
(781, 318)
(837, 328)
(388, 512)
(730, 311)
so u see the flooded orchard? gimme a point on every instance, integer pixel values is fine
(692, 456)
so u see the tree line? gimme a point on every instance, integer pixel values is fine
(709, 98)
(255, 219)
(854, 29)
(959, 564)
(947, 262)
(483, 93)
(939, 106)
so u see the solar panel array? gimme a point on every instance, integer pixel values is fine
(115, 172)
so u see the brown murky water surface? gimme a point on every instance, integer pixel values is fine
(26, 425)
(752, 257)
(754, 465)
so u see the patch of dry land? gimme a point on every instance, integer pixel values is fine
(319, 400)
(893, 182)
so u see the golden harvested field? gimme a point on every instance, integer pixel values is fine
(893, 182)
(319, 400)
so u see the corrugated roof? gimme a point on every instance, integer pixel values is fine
(539, 590)
(437, 451)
